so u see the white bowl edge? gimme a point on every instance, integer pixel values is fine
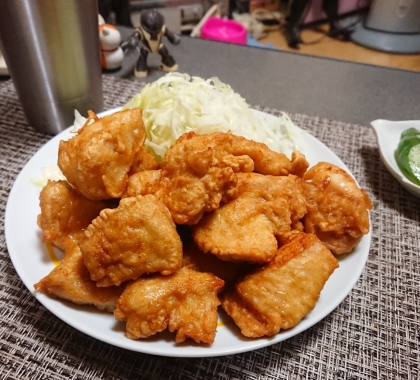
(388, 134)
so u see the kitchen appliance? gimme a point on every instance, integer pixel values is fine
(392, 26)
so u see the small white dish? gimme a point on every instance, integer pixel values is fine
(388, 134)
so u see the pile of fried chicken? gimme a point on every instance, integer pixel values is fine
(222, 220)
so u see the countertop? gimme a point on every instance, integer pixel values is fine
(335, 89)
(340, 90)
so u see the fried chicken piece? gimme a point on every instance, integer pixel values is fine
(338, 210)
(96, 161)
(194, 180)
(185, 302)
(243, 229)
(267, 161)
(143, 183)
(64, 212)
(137, 237)
(227, 148)
(272, 188)
(228, 271)
(247, 228)
(198, 172)
(143, 160)
(278, 295)
(70, 280)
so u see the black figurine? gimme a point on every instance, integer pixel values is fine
(297, 7)
(150, 33)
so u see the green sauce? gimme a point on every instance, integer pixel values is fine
(407, 154)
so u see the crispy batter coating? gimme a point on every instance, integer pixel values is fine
(195, 180)
(246, 228)
(243, 229)
(228, 147)
(267, 161)
(137, 237)
(143, 183)
(280, 294)
(198, 171)
(338, 210)
(70, 280)
(143, 160)
(96, 161)
(64, 212)
(185, 302)
(228, 271)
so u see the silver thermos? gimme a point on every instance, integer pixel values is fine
(51, 48)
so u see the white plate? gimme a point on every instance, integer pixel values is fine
(32, 262)
(388, 134)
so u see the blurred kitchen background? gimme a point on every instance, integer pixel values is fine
(383, 32)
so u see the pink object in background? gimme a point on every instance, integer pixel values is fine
(224, 30)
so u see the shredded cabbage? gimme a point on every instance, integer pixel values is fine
(177, 103)
(52, 172)
(79, 121)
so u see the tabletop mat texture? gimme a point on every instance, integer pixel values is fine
(373, 334)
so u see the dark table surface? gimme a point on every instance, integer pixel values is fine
(340, 90)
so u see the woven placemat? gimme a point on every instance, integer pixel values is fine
(373, 334)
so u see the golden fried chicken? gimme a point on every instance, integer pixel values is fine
(229, 148)
(338, 210)
(70, 280)
(278, 295)
(247, 227)
(198, 171)
(243, 229)
(267, 161)
(143, 183)
(185, 302)
(143, 160)
(137, 237)
(228, 271)
(96, 161)
(64, 212)
(194, 180)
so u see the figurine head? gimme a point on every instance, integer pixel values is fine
(109, 37)
(152, 22)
